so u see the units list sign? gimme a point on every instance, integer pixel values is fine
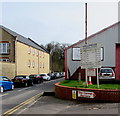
(91, 56)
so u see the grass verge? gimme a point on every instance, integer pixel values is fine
(75, 83)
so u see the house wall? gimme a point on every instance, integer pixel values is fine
(44, 63)
(107, 39)
(7, 69)
(29, 63)
(5, 36)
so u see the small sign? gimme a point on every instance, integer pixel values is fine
(91, 72)
(86, 94)
(74, 94)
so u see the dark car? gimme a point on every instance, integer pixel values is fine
(36, 78)
(22, 81)
(52, 75)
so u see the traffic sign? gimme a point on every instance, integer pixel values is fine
(86, 94)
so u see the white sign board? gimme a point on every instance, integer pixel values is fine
(91, 72)
(91, 56)
(76, 54)
(86, 94)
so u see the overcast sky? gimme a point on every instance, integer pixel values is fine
(62, 22)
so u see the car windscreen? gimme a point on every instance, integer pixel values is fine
(20, 77)
(32, 76)
(106, 71)
(42, 75)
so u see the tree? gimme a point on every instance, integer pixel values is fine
(56, 51)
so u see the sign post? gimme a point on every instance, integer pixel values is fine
(97, 79)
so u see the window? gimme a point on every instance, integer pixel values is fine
(43, 65)
(40, 65)
(4, 48)
(4, 59)
(37, 52)
(102, 53)
(33, 64)
(43, 54)
(5, 79)
(29, 63)
(33, 51)
(76, 54)
(29, 50)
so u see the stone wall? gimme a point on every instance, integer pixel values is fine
(7, 69)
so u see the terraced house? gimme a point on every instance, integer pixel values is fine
(20, 55)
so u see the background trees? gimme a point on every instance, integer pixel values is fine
(56, 51)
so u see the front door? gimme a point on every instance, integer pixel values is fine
(117, 61)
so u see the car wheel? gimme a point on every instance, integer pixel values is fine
(12, 87)
(1, 89)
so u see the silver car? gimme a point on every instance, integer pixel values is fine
(106, 73)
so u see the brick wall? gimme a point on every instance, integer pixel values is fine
(63, 92)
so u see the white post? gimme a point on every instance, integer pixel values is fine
(86, 78)
(97, 79)
(79, 77)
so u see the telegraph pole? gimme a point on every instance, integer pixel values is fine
(86, 77)
(85, 23)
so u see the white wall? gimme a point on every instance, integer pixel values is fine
(107, 39)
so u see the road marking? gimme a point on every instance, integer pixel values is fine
(28, 106)
(3, 95)
(14, 109)
(24, 89)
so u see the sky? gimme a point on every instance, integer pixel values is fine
(63, 22)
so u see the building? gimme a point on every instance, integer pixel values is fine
(20, 55)
(109, 38)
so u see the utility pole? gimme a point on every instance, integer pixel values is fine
(86, 77)
(85, 23)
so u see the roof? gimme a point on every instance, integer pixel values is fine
(92, 35)
(24, 40)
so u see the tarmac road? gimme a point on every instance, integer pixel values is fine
(51, 104)
(12, 101)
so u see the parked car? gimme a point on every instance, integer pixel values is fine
(62, 74)
(57, 75)
(52, 75)
(45, 77)
(22, 81)
(36, 78)
(5, 84)
(106, 73)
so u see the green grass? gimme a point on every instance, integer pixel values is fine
(75, 83)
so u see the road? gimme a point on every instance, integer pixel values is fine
(12, 101)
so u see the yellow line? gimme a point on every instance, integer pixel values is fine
(21, 105)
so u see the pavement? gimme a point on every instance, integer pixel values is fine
(49, 104)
